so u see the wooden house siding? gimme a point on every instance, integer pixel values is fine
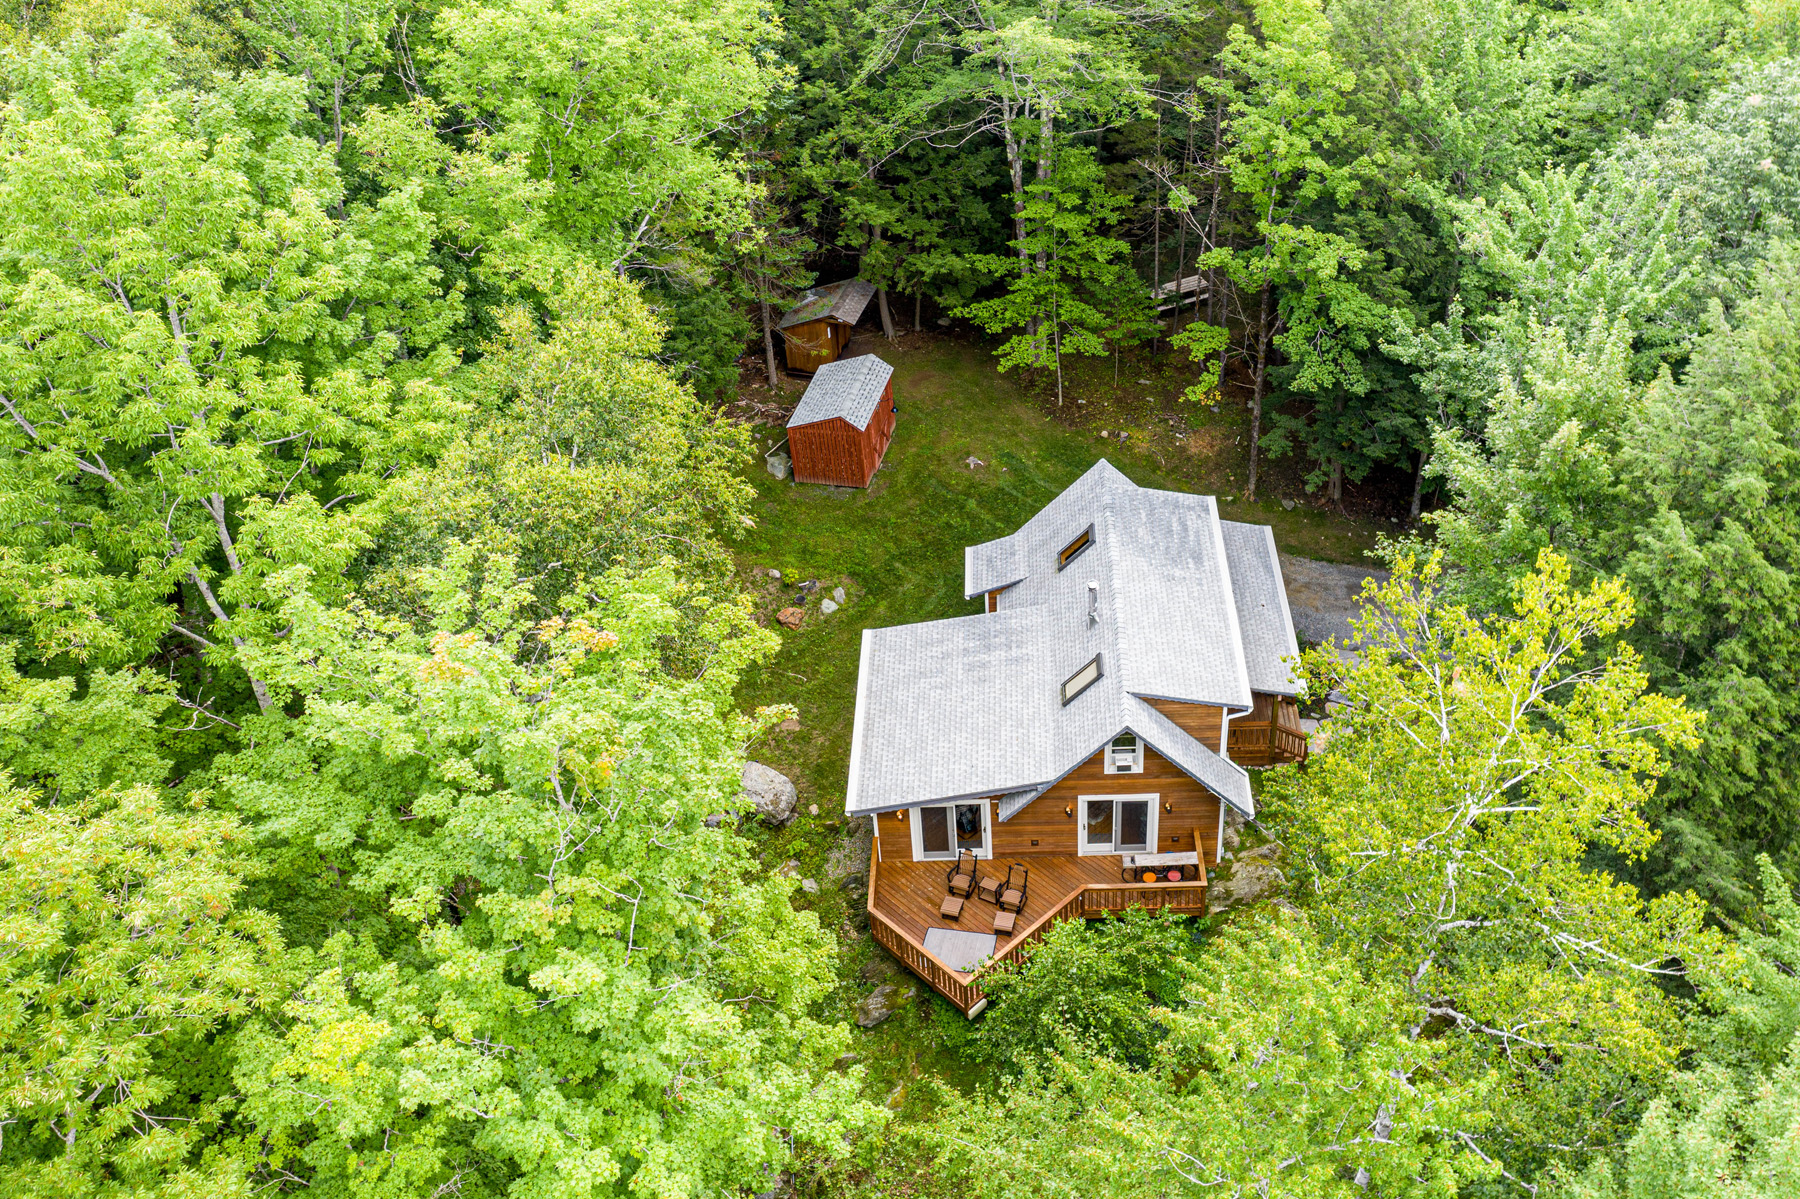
(1205, 723)
(1045, 829)
(838, 453)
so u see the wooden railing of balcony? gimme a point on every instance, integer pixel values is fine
(1265, 743)
(1093, 900)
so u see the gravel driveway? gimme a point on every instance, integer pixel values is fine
(1322, 595)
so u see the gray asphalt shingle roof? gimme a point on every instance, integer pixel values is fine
(1270, 647)
(967, 707)
(849, 388)
(844, 301)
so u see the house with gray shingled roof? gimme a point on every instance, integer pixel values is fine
(1089, 729)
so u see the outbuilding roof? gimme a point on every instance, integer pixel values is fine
(974, 706)
(849, 388)
(844, 301)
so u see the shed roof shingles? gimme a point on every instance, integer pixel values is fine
(849, 389)
(843, 301)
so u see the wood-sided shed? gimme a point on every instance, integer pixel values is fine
(844, 422)
(817, 329)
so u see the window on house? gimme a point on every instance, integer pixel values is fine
(1118, 824)
(1125, 755)
(941, 831)
(1081, 680)
(1073, 550)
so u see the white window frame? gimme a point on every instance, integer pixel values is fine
(1083, 849)
(918, 830)
(1108, 755)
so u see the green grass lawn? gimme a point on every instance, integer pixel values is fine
(897, 550)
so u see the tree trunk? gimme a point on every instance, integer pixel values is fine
(1412, 511)
(1213, 305)
(1046, 131)
(887, 319)
(1015, 165)
(1337, 486)
(918, 303)
(1187, 162)
(1262, 369)
(1156, 270)
(768, 322)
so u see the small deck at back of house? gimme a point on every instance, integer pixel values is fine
(904, 898)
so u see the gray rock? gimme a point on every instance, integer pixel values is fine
(837, 593)
(769, 791)
(827, 607)
(779, 464)
(846, 1060)
(1252, 877)
(715, 820)
(849, 858)
(879, 970)
(1287, 505)
(944, 320)
(812, 809)
(810, 886)
(886, 999)
(774, 574)
(1234, 826)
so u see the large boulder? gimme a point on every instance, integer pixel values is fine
(769, 791)
(1252, 877)
(887, 999)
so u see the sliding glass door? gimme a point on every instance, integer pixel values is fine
(1118, 824)
(941, 831)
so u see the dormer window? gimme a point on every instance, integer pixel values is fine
(1125, 755)
(1081, 680)
(1075, 548)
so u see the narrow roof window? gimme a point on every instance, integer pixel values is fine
(1081, 680)
(1073, 550)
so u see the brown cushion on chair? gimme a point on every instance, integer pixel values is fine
(951, 908)
(1003, 923)
(961, 884)
(1012, 899)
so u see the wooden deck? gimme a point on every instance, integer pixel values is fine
(904, 898)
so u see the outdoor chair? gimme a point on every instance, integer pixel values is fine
(1012, 897)
(960, 878)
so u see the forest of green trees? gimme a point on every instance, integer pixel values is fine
(371, 636)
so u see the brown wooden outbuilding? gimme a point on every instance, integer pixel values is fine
(844, 422)
(817, 329)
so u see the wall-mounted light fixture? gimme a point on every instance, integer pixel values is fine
(900, 815)
(1068, 811)
(1167, 806)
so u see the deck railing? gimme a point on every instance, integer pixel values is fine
(917, 958)
(1094, 899)
(1265, 743)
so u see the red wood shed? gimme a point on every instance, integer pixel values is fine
(844, 422)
